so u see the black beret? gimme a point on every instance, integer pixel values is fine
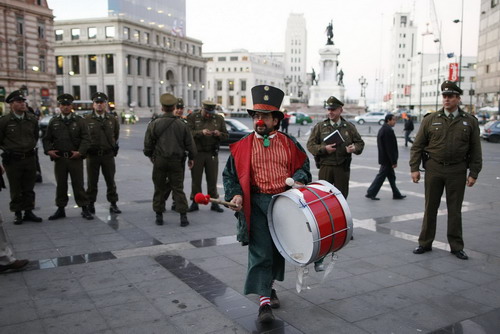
(65, 99)
(449, 87)
(99, 97)
(333, 103)
(17, 95)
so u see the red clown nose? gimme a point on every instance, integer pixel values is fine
(260, 123)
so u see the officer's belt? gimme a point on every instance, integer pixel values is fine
(22, 155)
(65, 154)
(445, 163)
(99, 152)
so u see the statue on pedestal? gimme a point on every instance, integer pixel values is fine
(329, 34)
(341, 78)
(313, 76)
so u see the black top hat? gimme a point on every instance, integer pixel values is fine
(333, 103)
(267, 99)
(65, 99)
(16, 95)
(449, 87)
(99, 97)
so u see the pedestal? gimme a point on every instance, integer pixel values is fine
(327, 84)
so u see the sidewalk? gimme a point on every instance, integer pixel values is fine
(124, 274)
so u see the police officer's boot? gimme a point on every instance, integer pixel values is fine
(86, 213)
(29, 216)
(159, 218)
(173, 206)
(91, 208)
(184, 220)
(60, 213)
(18, 218)
(193, 207)
(113, 208)
(216, 207)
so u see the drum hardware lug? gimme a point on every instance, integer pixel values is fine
(309, 227)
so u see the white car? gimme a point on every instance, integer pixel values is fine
(371, 117)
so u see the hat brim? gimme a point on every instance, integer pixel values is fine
(450, 93)
(99, 100)
(280, 115)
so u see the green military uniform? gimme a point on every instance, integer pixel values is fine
(104, 133)
(452, 146)
(335, 167)
(68, 134)
(166, 142)
(18, 139)
(208, 148)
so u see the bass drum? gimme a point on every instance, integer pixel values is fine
(309, 222)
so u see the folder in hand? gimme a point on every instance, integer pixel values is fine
(334, 138)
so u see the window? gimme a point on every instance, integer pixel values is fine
(92, 32)
(20, 25)
(75, 65)
(128, 64)
(139, 62)
(221, 59)
(41, 63)
(76, 92)
(20, 60)
(139, 96)
(231, 100)
(146, 37)
(233, 58)
(148, 68)
(243, 101)
(110, 92)
(137, 36)
(41, 29)
(230, 84)
(219, 99)
(75, 34)
(60, 90)
(110, 32)
(126, 33)
(92, 90)
(59, 65)
(92, 64)
(243, 85)
(494, 3)
(219, 84)
(110, 68)
(59, 34)
(129, 95)
(148, 96)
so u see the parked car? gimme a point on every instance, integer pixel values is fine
(236, 130)
(297, 117)
(371, 117)
(43, 124)
(491, 132)
(483, 117)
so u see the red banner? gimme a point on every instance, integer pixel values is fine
(453, 72)
(407, 90)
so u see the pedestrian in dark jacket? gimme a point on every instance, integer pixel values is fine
(409, 127)
(387, 158)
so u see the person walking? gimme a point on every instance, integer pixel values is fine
(256, 170)
(387, 158)
(208, 129)
(104, 130)
(448, 141)
(285, 122)
(166, 141)
(408, 128)
(66, 142)
(18, 139)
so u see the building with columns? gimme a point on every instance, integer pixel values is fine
(132, 62)
(26, 51)
(231, 76)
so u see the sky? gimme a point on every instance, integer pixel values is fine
(361, 28)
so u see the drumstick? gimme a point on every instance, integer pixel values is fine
(205, 199)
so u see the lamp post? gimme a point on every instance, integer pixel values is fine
(438, 40)
(471, 93)
(287, 81)
(364, 84)
(426, 33)
(299, 86)
(411, 83)
(461, 21)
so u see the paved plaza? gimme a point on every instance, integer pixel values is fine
(124, 274)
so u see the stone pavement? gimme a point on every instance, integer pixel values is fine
(123, 274)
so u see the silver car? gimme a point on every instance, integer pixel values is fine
(371, 117)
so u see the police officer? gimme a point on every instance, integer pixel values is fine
(448, 141)
(18, 139)
(335, 161)
(208, 130)
(66, 142)
(165, 143)
(104, 130)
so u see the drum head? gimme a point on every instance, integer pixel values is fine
(295, 241)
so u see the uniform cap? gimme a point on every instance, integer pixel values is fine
(99, 97)
(333, 103)
(209, 106)
(65, 99)
(16, 95)
(267, 99)
(168, 100)
(180, 103)
(449, 87)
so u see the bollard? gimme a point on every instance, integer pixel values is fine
(298, 133)
(369, 129)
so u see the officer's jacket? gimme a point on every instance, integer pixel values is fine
(104, 132)
(197, 122)
(18, 135)
(448, 141)
(66, 136)
(169, 137)
(316, 146)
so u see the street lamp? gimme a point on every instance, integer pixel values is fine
(461, 35)
(299, 86)
(426, 33)
(287, 81)
(364, 84)
(438, 40)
